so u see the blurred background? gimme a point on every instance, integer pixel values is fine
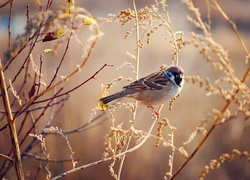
(193, 106)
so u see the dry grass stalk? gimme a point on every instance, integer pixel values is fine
(226, 157)
(12, 126)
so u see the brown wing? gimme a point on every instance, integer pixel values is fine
(155, 81)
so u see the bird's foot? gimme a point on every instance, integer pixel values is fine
(156, 113)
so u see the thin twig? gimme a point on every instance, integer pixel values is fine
(40, 107)
(12, 127)
(63, 57)
(48, 160)
(6, 3)
(6, 157)
(9, 25)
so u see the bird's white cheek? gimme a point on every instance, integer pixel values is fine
(181, 84)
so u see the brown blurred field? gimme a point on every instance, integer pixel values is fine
(193, 106)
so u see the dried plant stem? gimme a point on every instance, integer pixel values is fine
(196, 12)
(137, 52)
(122, 160)
(232, 24)
(12, 127)
(9, 25)
(6, 3)
(170, 29)
(62, 59)
(48, 159)
(137, 77)
(109, 158)
(215, 123)
(137, 41)
(173, 153)
(6, 157)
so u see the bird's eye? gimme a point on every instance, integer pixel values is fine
(175, 73)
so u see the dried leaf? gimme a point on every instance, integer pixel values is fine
(32, 91)
(50, 36)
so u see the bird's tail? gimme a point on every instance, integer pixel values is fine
(112, 97)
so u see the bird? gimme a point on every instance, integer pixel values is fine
(154, 89)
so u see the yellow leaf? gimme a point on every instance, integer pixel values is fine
(58, 33)
(101, 105)
(88, 21)
(70, 4)
(47, 51)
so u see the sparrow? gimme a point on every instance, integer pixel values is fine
(154, 89)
